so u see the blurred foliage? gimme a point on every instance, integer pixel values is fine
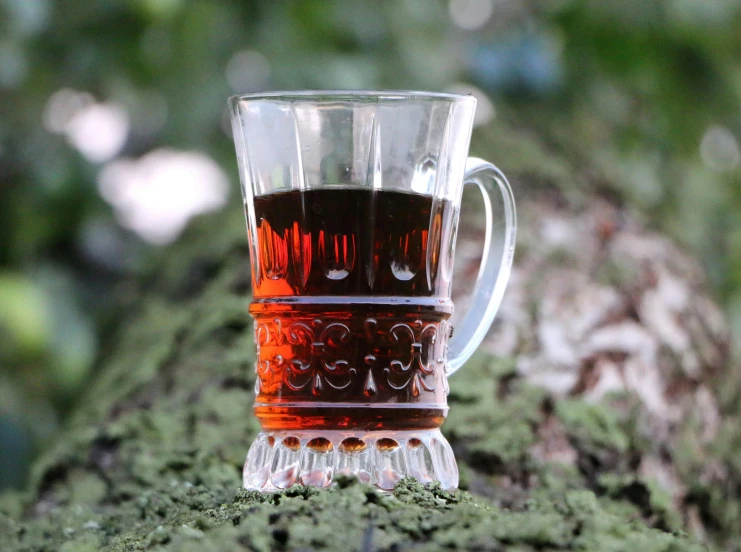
(646, 91)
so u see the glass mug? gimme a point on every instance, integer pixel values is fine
(352, 201)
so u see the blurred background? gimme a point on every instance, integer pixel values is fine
(114, 132)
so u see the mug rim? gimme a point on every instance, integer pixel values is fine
(373, 96)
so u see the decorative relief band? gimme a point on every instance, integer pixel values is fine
(368, 359)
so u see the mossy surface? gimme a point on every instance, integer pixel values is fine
(177, 516)
(152, 458)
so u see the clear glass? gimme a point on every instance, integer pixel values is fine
(352, 201)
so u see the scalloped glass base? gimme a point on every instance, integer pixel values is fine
(277, 460)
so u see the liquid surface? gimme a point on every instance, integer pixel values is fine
(348, 241)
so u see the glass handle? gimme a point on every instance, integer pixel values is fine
(495, 264)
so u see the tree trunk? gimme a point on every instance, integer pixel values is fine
(601, 413)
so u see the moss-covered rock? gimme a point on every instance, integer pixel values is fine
(351, 516)
(151, 460)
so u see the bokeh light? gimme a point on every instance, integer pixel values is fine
(157, 194)
(28, 17)
(97, 130)
(719, 149)
(13, 65)
(248, 71)
(471, 14)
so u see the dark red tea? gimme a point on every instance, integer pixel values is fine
(351, 302)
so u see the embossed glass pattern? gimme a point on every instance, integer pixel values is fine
(352, 202)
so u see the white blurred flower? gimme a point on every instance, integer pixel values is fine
(62, 106)
(97, 130)
(157, 194)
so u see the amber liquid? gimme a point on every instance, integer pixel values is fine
(351, 301)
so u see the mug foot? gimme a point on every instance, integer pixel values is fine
(278, 459)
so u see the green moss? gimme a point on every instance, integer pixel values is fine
(11, 504)
(503, 445)
(352, 516)
(558, 477)
(646, 498)
(492, 417)
(593, 428)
